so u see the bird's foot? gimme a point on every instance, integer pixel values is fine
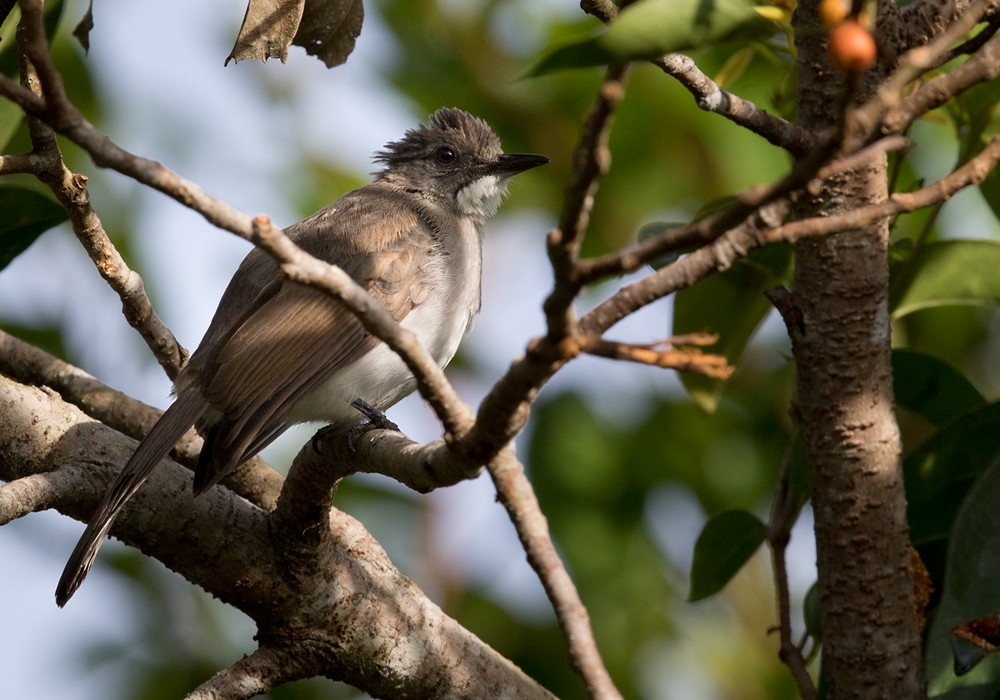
(374, 420)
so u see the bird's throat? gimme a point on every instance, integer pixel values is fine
(482, 197)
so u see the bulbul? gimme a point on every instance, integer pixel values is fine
(278, 353)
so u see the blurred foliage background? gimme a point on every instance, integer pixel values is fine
(627, 474)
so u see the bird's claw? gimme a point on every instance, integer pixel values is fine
(374, 420)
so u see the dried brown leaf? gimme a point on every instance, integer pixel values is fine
(82, 30)
(329, 28)
(267, 30)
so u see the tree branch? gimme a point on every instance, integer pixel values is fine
(519, 498)
(710, 97)
(296, 265)
(226, 545)
(863, 124)
(70, 189)
(33, 493)
(253, 675)
(255, 480)
(982, 67)
(971, 173)
(912, 25)
(806, 173)
(784, 510)
(503, 413)
(591, 161)
(667, 353)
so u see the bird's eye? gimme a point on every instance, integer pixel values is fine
(444, 155)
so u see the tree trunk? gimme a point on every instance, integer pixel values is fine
(845, 405)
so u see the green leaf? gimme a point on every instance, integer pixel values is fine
(11, 117)
(940, 472)
(731, 304)
(735, 66)
(725, 544)
(654, 27)
(970, 585)
(931, 387)
(947, 273)
(28, 215)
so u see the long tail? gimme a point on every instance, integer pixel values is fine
(174, 422)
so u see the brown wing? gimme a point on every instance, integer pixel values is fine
(293, 338)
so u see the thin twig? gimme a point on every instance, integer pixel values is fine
(980, 68)
(864, 122)
(591, 161)
(784, 510)
(518, 496)
(504, 411)
(736, 243)
(809, 170)
(57, 111)
(664, 354)
(710, 97)
(70, 189)
(971, 173)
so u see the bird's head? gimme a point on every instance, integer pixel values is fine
(456, 158)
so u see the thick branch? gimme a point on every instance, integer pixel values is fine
(255, 480)
(33, 493)
(844, 401)
(253, 675)
(224, 544)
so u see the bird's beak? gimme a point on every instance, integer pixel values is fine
(513, 163)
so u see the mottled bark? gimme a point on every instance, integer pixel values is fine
(841, 341)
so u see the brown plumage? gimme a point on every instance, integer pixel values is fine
(278, 353)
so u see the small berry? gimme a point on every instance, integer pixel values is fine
(852, 47)
(833, 12)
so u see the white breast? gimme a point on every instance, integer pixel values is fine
(380, 377)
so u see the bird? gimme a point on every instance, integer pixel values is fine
(278, 353)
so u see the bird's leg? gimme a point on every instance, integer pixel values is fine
(376, 419)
